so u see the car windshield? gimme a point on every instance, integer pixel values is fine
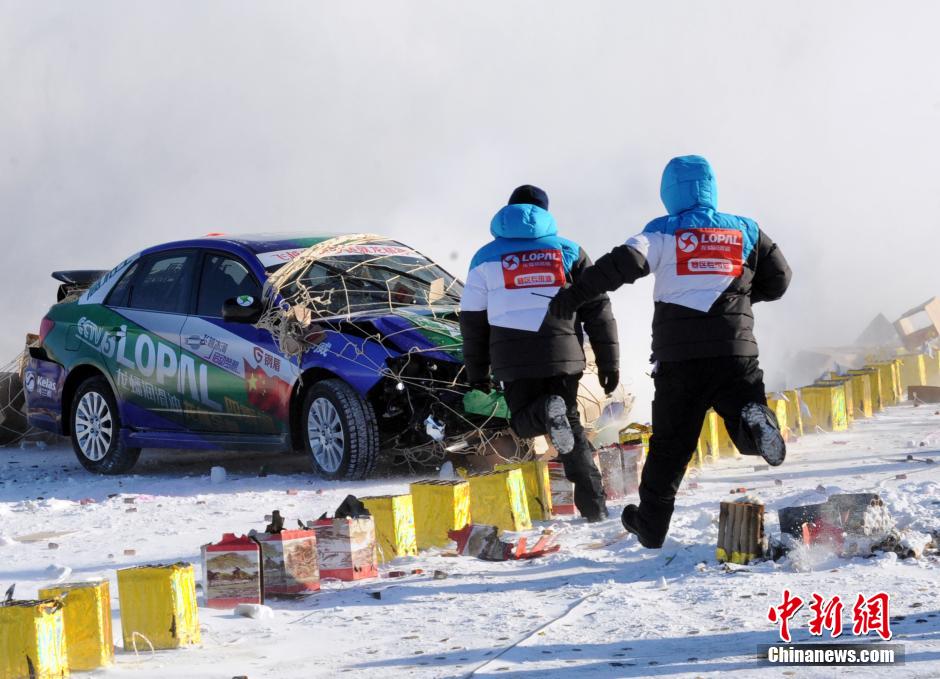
(368, 277)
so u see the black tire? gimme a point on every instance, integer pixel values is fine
(110, 455)
(13, 424)
(355, 419)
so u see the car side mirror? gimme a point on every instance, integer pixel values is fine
(241, 309)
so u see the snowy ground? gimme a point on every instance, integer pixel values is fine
(617, 611)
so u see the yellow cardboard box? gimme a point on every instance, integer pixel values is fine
(872, 376)
(825, 407)
(32, 640)
(158, 604)
(538, 487)
(890, 381)
(847, 392)
(87, 616)
(932, 368)
(439, 506)
(498, 498)
(394, 517)
(913, 371)
(794, 412)
(778, 405)
(726, 447)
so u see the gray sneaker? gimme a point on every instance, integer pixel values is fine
(559, 429)
(764, 430)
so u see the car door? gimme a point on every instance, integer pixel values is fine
(246, 375)
(151, 302)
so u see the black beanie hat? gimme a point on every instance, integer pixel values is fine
(529, 195)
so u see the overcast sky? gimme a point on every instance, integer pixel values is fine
(124, 124)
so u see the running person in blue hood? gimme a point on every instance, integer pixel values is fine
(538, 358)
(710, 268)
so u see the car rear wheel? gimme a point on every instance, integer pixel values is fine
(340, 431)
(96, 429)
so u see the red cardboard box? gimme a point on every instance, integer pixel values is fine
(290, 564)
(346, 548)
(232, 572)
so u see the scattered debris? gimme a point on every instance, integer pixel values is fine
(254, 611)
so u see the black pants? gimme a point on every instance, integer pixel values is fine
(526, 400)
(685, 390)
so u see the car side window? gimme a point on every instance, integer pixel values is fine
(223, 278)
(119, 293)
(163, 283)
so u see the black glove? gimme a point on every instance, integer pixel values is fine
(565, 303)
(485, 385)
(609, 380)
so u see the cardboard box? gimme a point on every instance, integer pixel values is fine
(726, 447)
(232, 572)
(538, 487)
(825, 407)
(847, 393)
(440, 506)
(290, 562)
(611, 464)
(794, 412)
(86, 614)
(158, 602)
(394, 518)
(871, 379)
(562, 490)
(708, 440)
(932, 368)
(920, 325)
(913, 370)
(636, 434)
(891, 380)
(632, 458)
(498, 498)
(346, 548)
(779, 408)
(32, 640)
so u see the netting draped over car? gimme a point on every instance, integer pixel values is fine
(13, 425)
(343, 284)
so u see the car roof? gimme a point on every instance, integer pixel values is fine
(254, 243)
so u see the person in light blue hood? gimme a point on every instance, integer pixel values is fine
(710, 269)
(508, 336)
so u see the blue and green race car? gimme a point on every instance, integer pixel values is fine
(339, 346)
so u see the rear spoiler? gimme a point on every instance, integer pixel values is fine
(75, 281)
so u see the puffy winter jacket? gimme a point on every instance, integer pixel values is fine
(503, 311)
(710, 268)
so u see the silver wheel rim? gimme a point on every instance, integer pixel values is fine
(94, 428)
(325, 433)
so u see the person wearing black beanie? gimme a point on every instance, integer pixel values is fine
(507, 335)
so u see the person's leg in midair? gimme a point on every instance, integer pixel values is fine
(679, 406)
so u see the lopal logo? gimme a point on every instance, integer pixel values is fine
(30, 382)
(511, 262)
(688, 241)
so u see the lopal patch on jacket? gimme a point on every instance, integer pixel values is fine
(503, 311)
(710, 268)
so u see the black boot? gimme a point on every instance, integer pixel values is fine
(559, 429)
(761, 425)
(634, 524)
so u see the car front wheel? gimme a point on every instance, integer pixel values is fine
(340, 431)
(96, 429)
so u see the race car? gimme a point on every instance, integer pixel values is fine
(341, 346)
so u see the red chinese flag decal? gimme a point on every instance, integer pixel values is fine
(719, 252)
(533, 269)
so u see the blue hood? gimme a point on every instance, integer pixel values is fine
(688, 181)
(523, 221)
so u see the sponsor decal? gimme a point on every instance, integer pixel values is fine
(322, 349)
(370, 249)
(709, 251)
(279, 256)
(30, 382)
(266, 359)
(150, 358)
(129, 382)
(268, 393)
(245, 300)
(533, 269)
